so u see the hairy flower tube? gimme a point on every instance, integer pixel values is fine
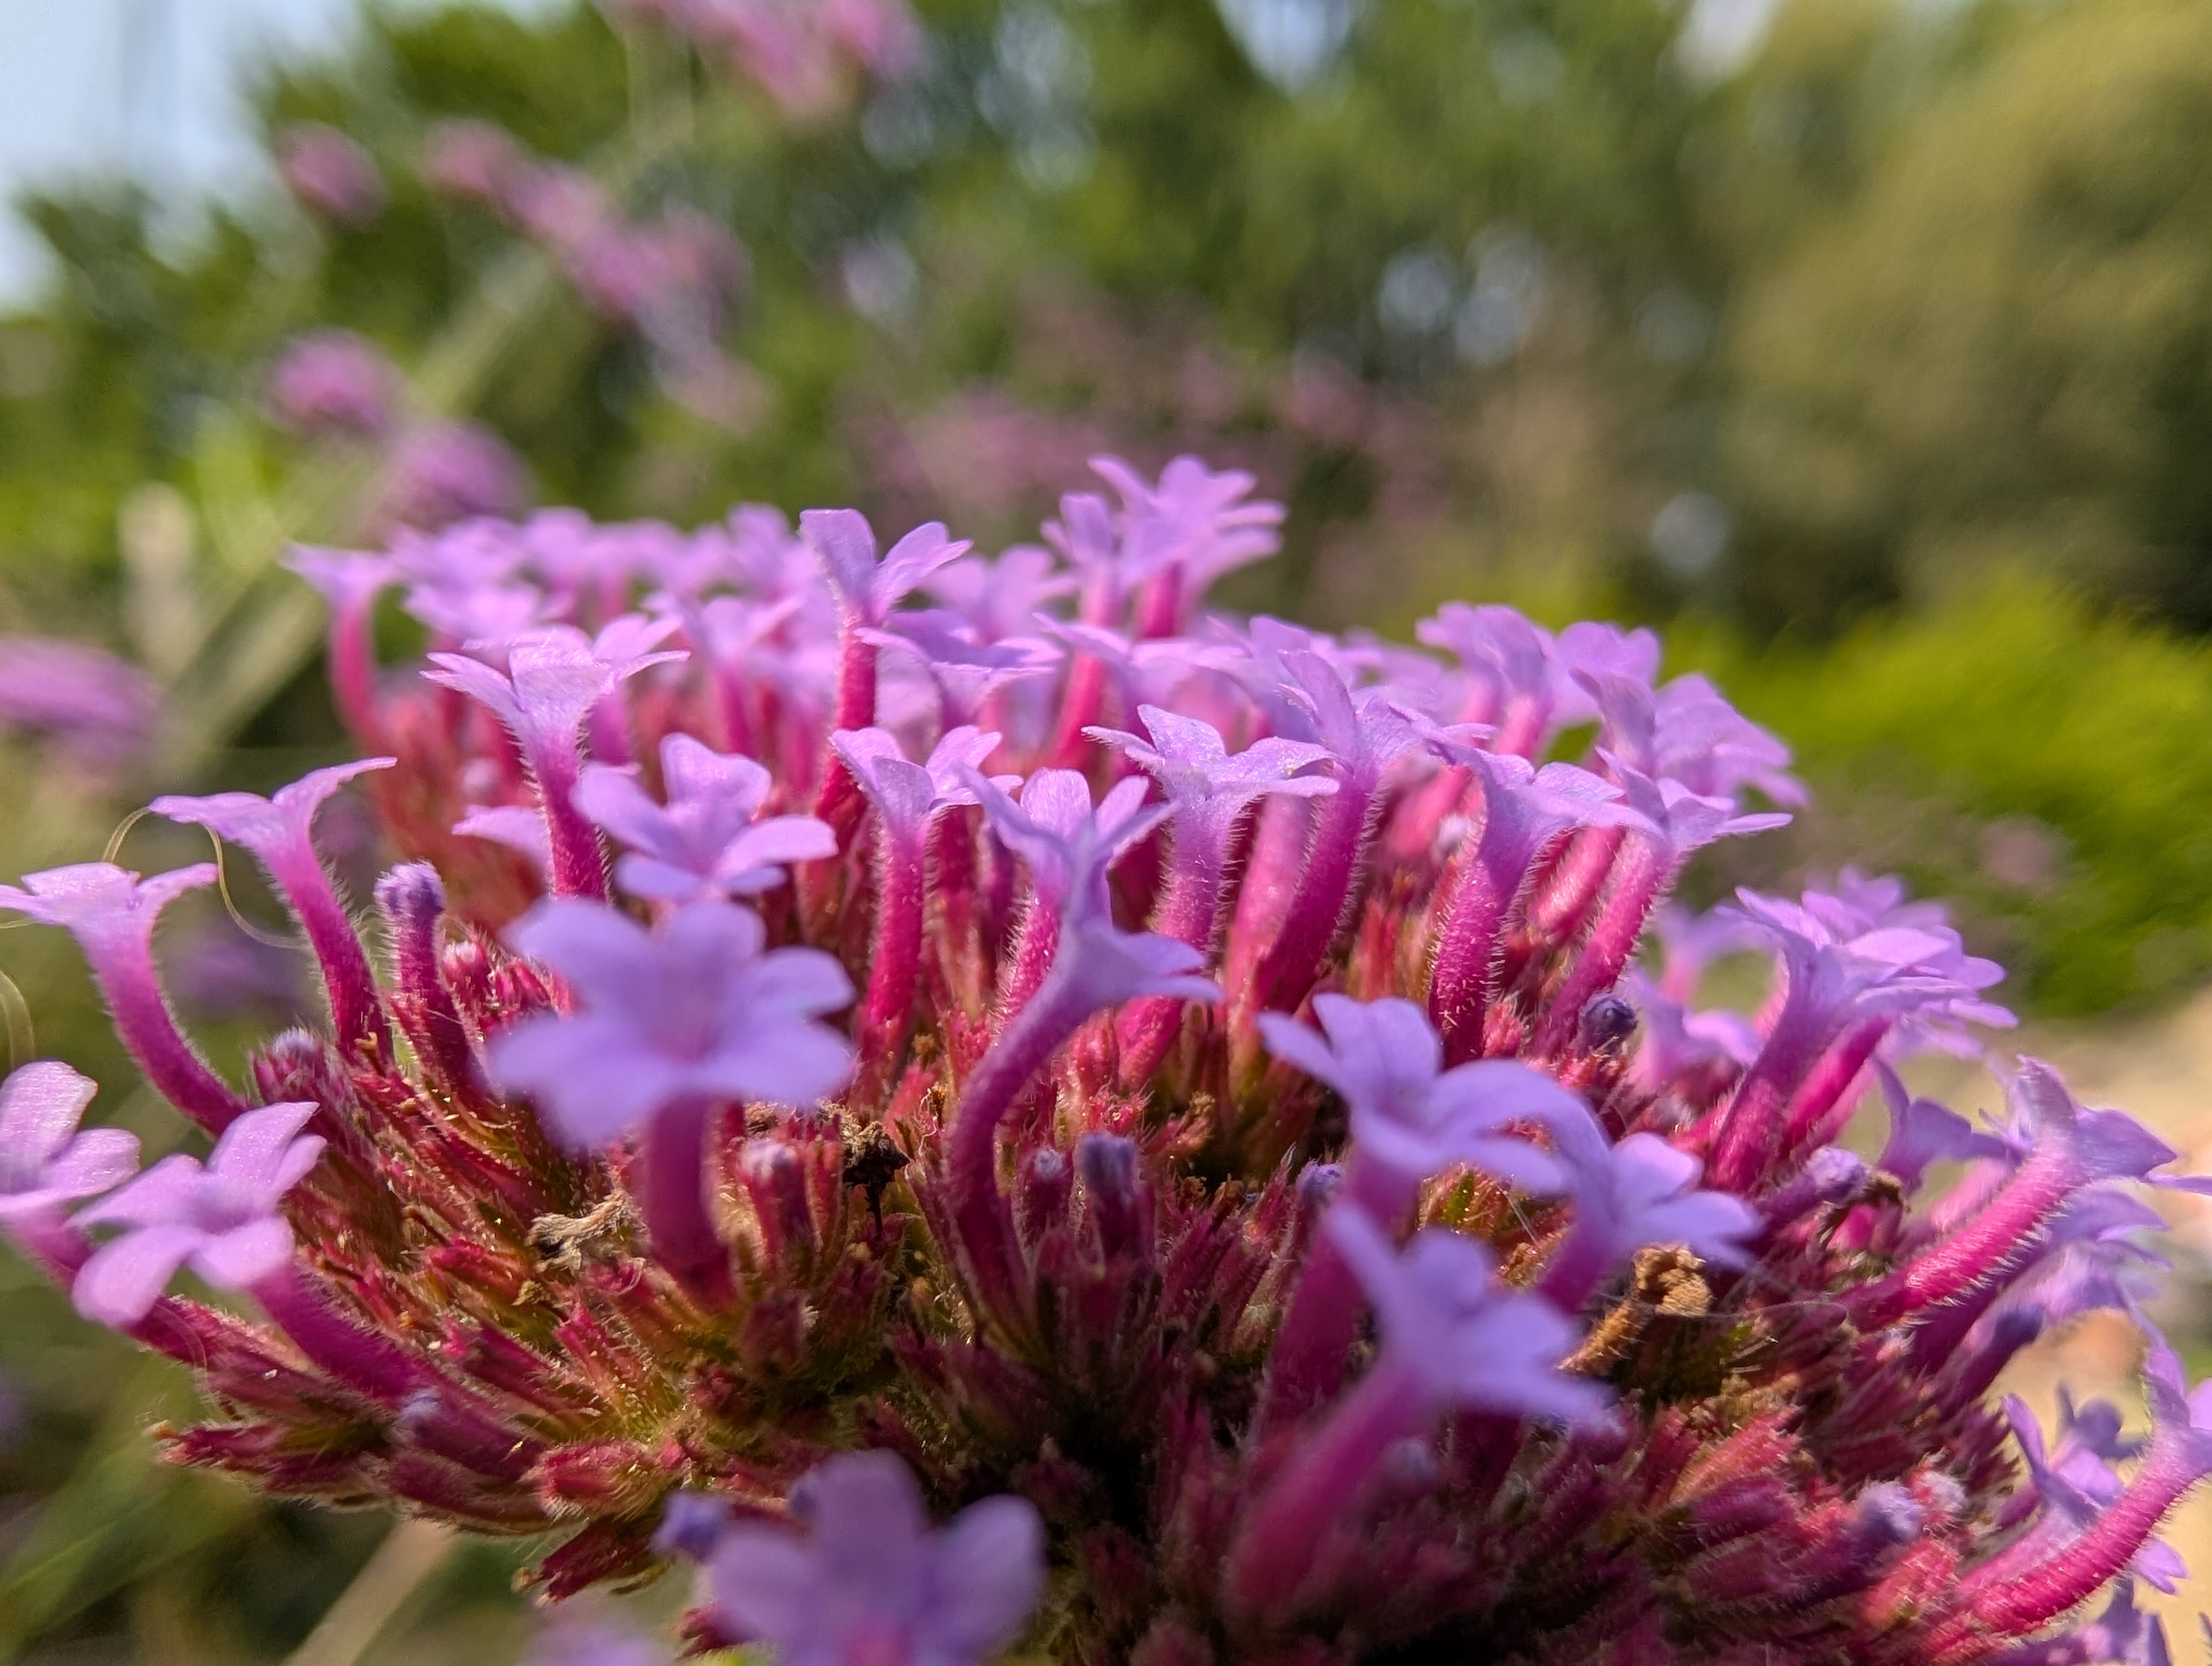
(991, 1107)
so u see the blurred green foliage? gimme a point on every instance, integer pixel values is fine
(2016, 751)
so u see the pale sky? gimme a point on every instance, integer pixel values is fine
(154, 86)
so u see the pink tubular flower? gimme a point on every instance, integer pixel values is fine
(112, 914)
(554, 678)
(280, 832)
(866, 1579)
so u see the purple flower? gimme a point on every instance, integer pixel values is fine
(2071, 1150)
(1450, 1338)
(1641, 1191)
(1065, 842)
(519, 828)
(45, 1163)
(966, 670)
(1367, 733)
(2074, 1485)
(329, 173)
(1180, 535)
(1508, 663)
(693, 1009)
(332, 381)
(1003, 597)
(1922, 1132)
(867, 589)
(708, 839)
(1207, 789)
(349, 585)
(1449, 1325)
(1687, 733)
(472, 160)
(280, 832)
(112, 913)
(1411, 1119)
(909, 796)
(221, 1220)
(575, 1635)
(1523, 809)
(449, 471)
(99, 711)
(553, 679)
(865, 1579)
(2042, 1574)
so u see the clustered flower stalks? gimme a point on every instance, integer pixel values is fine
(1174, 1101)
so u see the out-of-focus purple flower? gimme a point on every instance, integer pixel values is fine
(520, 828)
(1922, 1133)
(329, 173)
(99, 711)
(45, 1164)
(472, 160)
(332, 381)
(865, 1578)
(708, 840)
(449, 471)
(222, 1219)
(1181, 535)
(1002, 598)
(693, 1008)
(1508, 664)
(577, 1634)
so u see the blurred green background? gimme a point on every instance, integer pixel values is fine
(1866, 346)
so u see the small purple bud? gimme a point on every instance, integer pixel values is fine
(1108, 1165)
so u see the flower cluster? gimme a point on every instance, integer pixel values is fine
(807, 55)
(673, 281)
(872, 1037)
